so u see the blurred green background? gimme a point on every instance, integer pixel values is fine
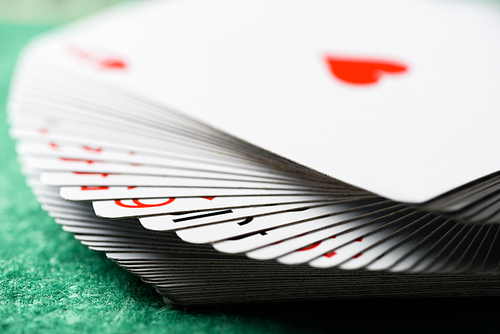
(48, 11)
(50, 283)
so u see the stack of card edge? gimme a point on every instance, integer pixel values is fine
(391, 249)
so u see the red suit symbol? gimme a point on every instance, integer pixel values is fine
(139, 204)
(112, 64)
(98, 59)
(95, 188)
(90, 149)
(362, 71)
(330, 254)
(312, 246)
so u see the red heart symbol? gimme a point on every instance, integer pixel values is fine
(90, 149)
(94, 188)
(362, 72)
(113, 64)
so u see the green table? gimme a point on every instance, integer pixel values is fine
(51, 283)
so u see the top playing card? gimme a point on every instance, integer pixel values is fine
(397, 97)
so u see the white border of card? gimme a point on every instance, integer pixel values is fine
(179, 144)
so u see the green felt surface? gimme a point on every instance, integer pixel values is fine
(49, 11)
(50, 283)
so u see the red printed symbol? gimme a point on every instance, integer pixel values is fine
(90, 173)
(94, 188)
(112, 64)
(78, 160)
(314, 245)
(54, 146)
(330, 254)
(362, 71)
(96, 58)
(90, 149)
(139, 204)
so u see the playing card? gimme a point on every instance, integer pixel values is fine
(240, 216)
(336, 71)
(91, 152)
(115, 179)
(149, 207)
(85, 193)
(104, 167)
(332, 212)
(355, 136)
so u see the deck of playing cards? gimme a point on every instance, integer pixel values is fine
(242, 151)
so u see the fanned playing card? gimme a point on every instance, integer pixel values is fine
(273, 150)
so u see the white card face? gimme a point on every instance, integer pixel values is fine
(101, 166)
(226, 230)
(240, 217)
(56, 142)
(85, 193)
(61, 179)
(92, 152)
(162, 206)
(397, 97)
